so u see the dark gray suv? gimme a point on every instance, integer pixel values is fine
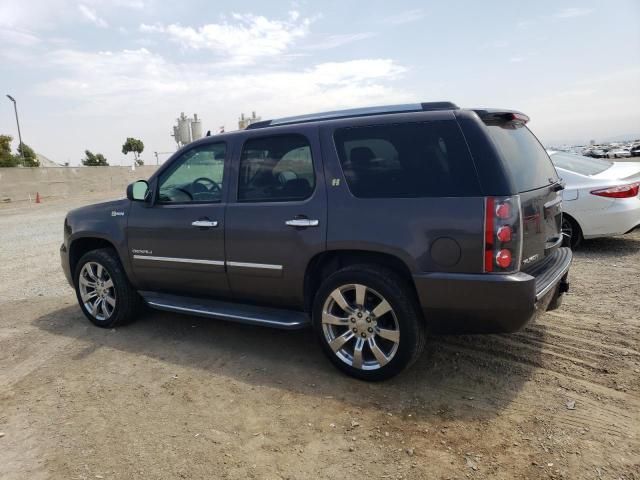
(372, 225)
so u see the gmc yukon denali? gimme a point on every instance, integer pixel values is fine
(374, 226)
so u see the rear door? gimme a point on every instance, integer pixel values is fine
(278, 220)
(537, 182)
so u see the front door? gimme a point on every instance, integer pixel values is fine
(278, 221)
(177, 244)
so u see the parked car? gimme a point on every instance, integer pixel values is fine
(618, 153)
(598, 153)
(373, 226)
(600, 198)
(635, 151)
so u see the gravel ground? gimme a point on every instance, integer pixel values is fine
(180, 397)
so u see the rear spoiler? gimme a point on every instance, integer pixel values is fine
(497, 117)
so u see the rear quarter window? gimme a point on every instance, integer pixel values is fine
(421, 159)
(524, 156)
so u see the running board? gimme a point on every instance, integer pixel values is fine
(233, 312)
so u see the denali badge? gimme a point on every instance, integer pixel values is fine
(143, 252)
(115, 213)
(530, 259)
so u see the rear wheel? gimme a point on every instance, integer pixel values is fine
(368, 322)
(103, 290)
(571, 232)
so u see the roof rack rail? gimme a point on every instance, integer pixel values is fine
(356, 112)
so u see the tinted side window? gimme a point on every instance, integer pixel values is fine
(524, 156)
(276, 169)
(194, 177)
(426, 159)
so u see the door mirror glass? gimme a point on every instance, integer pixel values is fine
(137, 191)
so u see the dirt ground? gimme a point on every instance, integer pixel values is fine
(174, 396)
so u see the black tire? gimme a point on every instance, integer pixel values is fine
(405, 313)
(127, 300)
(571, 227)
(556, 301)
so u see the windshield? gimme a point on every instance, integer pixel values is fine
(525, 157)
(580, 164)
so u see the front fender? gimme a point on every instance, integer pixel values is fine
(106, 222)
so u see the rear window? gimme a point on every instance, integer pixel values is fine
(526, 159)
(425, 159)
(579, 163)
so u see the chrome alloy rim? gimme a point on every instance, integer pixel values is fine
(97, 291)
(360, 327)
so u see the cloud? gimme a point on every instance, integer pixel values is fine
(516, 59)
(37, 15)
(407, 16)
(242, 39)
(112, 82)
(156, 28)
(563, 14)
(91, 15)
(334, 41)
(18, 37)
(494, 44)
(572, 12)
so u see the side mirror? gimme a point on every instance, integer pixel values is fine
(138, 191)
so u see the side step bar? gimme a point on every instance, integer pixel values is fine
(234, 312)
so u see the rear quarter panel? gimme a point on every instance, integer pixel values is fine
(406, 228)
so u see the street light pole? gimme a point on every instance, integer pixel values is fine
(15, 108)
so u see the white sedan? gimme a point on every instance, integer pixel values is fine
(601, 197)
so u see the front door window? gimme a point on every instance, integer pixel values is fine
(196, 177)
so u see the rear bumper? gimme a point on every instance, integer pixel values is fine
(487, 303)
(621, 217)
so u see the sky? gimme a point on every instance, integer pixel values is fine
(88, 74)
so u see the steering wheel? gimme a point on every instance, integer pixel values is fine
(202, 180)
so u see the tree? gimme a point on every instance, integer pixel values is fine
(136, 146)
(6, 159)
(94, 160)
(29, 159)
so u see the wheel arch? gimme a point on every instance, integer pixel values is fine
(574, 220)
(79, 246)
(325, 263)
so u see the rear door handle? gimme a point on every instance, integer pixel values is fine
(302, 222)
(204, 223)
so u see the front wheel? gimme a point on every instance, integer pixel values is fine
(368, 322)
(103, 290)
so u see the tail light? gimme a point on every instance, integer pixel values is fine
(502, 234)
(619, 191)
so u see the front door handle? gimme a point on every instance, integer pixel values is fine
(204, 223)
(302, 222)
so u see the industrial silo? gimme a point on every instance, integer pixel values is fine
(196, 127)
(184, 129)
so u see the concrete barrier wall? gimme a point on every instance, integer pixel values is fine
(16, 184)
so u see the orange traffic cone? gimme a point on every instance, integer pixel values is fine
(37, 197)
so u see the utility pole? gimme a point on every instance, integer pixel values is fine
(15, 108)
